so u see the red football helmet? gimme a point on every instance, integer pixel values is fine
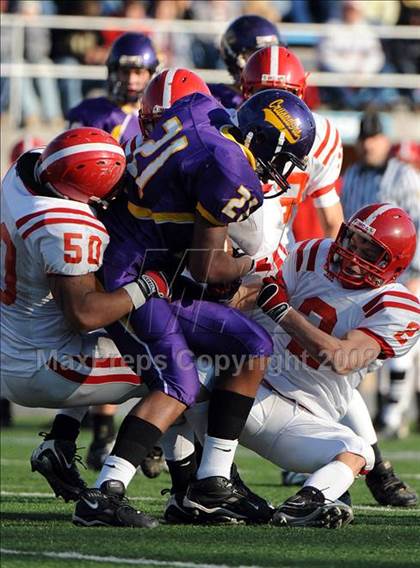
(373, 248)
(83, 164)
(163, 90)
(24, 144)
(273, 68)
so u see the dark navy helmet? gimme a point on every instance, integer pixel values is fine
(244, 36)
(130, 50)
(279, 130)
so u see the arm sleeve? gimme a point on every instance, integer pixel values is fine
(224, 196)
(71, 251)
(325, 170)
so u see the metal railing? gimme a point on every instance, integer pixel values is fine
(18, 68)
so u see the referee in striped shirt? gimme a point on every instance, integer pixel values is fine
(379, 177)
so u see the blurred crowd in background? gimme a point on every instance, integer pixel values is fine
(49, 99)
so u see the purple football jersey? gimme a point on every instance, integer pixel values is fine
(226, 95)
(189, 164)
(121, 123)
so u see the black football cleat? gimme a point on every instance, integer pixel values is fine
(308, 508)
(109, 507)
(98, 451)
(215, 500)
(388, 489)
(56, 461)
(175, 512)
(154, 463)
(245, 490)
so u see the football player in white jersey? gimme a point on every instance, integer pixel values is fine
(278, 67)
(339, 300)
(53, 246)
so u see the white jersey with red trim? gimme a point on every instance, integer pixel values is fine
(319, 179)
(41, 236)
(390, 315)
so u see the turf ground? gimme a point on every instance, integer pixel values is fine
(36, 528)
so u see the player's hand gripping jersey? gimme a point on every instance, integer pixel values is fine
(187, 166)
(390, 314)
(41, 236)
(121, 122)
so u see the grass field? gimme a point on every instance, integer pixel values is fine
(37, 531)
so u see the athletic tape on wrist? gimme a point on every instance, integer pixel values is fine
(135, 293)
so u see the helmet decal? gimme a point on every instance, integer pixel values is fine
(279, 117)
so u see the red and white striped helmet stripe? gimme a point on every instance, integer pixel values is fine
(167, 87)
(79, 149)
(379, 211)
(274, 61)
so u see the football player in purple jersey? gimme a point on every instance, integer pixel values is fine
(131, 63)
(244, 36)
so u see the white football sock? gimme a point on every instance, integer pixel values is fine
(332, 480)
(218, 455)
(116, 468)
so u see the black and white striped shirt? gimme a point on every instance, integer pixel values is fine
(397, 183)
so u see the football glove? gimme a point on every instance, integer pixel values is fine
(148, 285)
(273, 299)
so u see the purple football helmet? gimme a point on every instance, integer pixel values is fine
(244, 36)
(279, 129)
(130, 50)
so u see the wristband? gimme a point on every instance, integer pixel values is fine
(135, 293)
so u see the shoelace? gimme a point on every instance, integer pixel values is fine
(77, 458)
(390, 480)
